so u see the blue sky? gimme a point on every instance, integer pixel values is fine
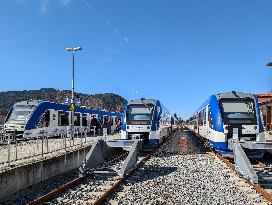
(174, 50)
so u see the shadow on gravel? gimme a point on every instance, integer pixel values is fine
(199, 145)
(183, 143)
(148, 172)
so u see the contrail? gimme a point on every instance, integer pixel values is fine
(86, 3)
(105, 20)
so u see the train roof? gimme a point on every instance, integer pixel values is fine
(142, 101)
(45, 105)
(29, 102)
(234, 94)
(231, 94)
(60, 106)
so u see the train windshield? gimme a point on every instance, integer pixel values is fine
(21, 113)
(238, 111)
(139, 114)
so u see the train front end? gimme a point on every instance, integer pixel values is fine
(137, 120)
(241, 111)
(18, 117)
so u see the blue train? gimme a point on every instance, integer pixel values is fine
(217, 116)
(146, 119)
(30, 118)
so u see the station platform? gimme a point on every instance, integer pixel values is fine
(37, 161)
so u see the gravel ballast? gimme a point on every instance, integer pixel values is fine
(174, 177)
(181, 172)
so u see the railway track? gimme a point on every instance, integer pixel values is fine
(262, 167)
(89, 188)
(179, 171)
(95, 187)
(264, 172)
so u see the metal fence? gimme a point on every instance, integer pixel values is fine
(16, 151)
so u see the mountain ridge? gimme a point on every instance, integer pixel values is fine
(108, 101)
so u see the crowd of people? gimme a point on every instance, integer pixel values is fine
(107, 122)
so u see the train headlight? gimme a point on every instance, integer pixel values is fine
(127, 127)
(148, 127)
(255, 127)
(227, 127)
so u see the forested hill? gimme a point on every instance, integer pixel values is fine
(107, 101)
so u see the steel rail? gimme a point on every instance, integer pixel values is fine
(57, 191)
(49, 196)
(71, 184)
(114, 187)
(257, 187)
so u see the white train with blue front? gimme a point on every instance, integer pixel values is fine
(146, 119)
(217, 117)
(31, 118)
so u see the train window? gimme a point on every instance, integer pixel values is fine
(200, 120)
(204, 116)
(105, 120)
(194, 120)
(63, 118)
(110, 120)
(94, 120)
(77, 119)
(210, 118)
(45, 121)
(100, 119)
(84, 119)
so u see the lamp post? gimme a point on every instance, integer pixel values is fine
(72, 106)
(269, 64)
(268, 108)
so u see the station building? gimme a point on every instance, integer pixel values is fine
(265, 101)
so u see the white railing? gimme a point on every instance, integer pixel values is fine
(17, 151)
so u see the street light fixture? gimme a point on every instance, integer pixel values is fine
(74, 49)
(72, 107)
(269, 64)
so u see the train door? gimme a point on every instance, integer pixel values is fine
(105, 120)
(209, 123)
(114, 123)
(195, 123)
(203, 131)
(77, 119)
(84, 122)
(53, 118)
(198, 122)
(70, 117)
(63, 118)
(100, 122)
(93, 119)
(104, 123)
(162, 125)
(111, 124)
(94, 123)
(113, 120)
(172, 124)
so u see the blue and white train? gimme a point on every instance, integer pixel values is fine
(217, 117)
(146, 119)
(31, 118)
